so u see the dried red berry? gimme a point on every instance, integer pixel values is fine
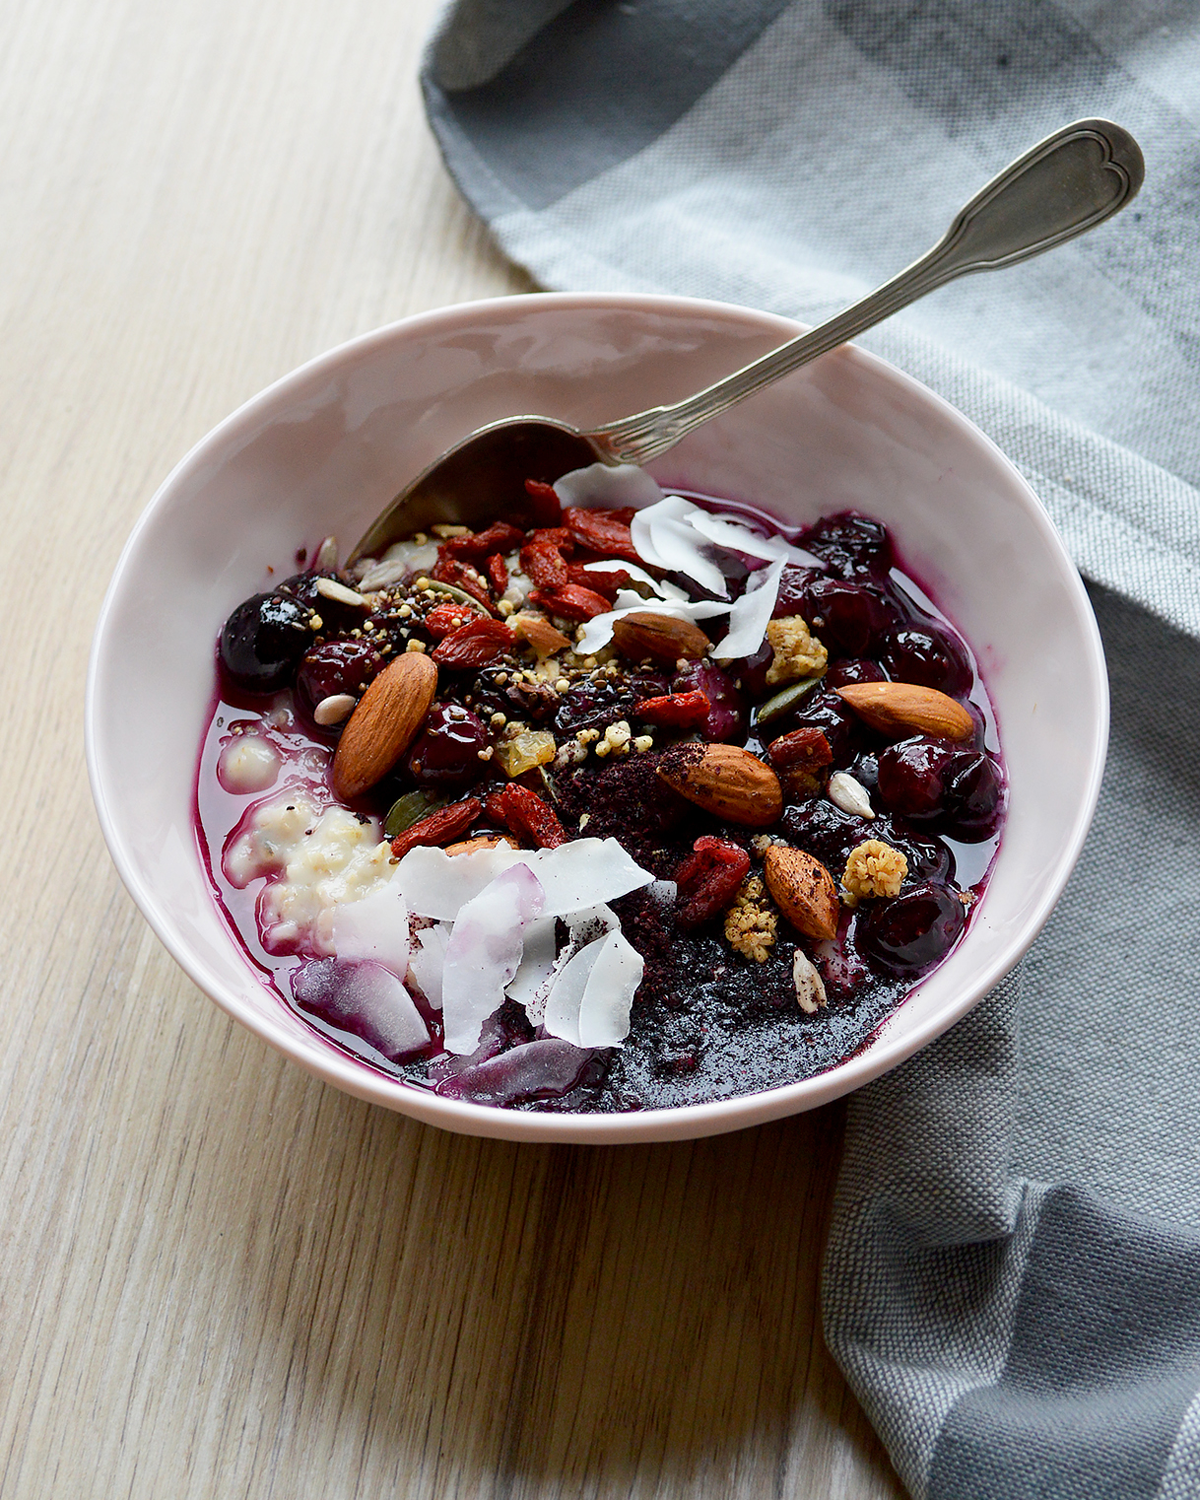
(551, 536)
(525, 813)
(675, 710)
(545, 504)
(543, 562)
(572, 602)
(472, 645)
(497, 572)
(804, 749)
(463, 576)
(476, 546)
(438, 828)
(708, 880)
(602, 532)
(443, 618)
(604, 581)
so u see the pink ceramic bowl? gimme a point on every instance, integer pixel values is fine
(326, 447)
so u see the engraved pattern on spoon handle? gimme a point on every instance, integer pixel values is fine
(1068, 183)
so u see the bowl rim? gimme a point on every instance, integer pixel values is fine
(681, 1122)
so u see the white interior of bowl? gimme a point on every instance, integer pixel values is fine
(324, 449)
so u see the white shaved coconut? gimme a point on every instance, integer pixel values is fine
(596, 921)
(437, 884)
(590, 1003)
(364, 998)
(661, 588)
(484, 953)
(751, 614)
(608, 487)
(733, 533)
(584, 873)
(539, 964)
(566, 997)
(608, 999)
(673, 507)
(677, 545)
(599, 629)
(428, 960)
(374, 927)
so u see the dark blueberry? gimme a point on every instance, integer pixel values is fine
(865, 771)
(335, 616)
(262, 641)
(753, 671)
(913, 931)
(850, 545)
(446, 753)
(852, 669)
(928, 858)
(849, 618)
(929, 656)
(335, 667)
(728, 719)
(950, 789)
(827, 712)
(792, 586)
(597, 701)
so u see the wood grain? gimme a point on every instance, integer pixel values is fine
(218, 1276)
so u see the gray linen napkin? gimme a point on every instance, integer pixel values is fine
(1015, 1292)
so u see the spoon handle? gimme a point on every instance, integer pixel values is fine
(1072, 180)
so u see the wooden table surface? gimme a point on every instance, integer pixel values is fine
(219, 1277)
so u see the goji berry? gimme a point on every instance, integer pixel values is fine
(497, 572)
(803, 749)
(708, 880)
(551, 536)
(438, 828)
(571, 602)
(443, 618)
(602, 532)
(472, 645)
(463, 576)
(545, 504)
(603, 580)
(525, 813)
(476, 546)
(544, 564)
(675, 710)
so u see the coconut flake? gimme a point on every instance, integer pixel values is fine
(365, 999)
(428, 960)
(731, 532)
(608, 999)
(484, 953)
(661, 588)
(436, 884)
(680, 546)
(751, 614)
(674, 507)
(584, 873)
(566, 997)
(540, 963)
(608, 487)
(599, 629)
(374, 927)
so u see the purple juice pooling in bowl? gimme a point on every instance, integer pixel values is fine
(626, 801)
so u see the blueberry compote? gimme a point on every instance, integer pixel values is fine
(558, 713)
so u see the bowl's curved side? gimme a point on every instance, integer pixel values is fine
(334, 438)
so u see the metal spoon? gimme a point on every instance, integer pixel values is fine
(1069, 182)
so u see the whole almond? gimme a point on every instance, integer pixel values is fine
(544, 637)
(900, 708)
(803, 889)
(725, 780)
(662, 638)
(384, 724)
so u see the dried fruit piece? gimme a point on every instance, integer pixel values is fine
(476, 547)
(408, 809)
(675, 710)
(545, 638)
(797, 652)
(472, 645)
(897, 709)
(803, 749)
(724, 780)
(602, 532)
(708, 880)
(545, 504)
(443, 618)
(571, 602)
(545, 565)
(497, 572)
(604, 581)
(524, 813)
(663, 638)
(463, 576)
(526, 751)
(384, 724)
(803, 890)
(438, 828)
